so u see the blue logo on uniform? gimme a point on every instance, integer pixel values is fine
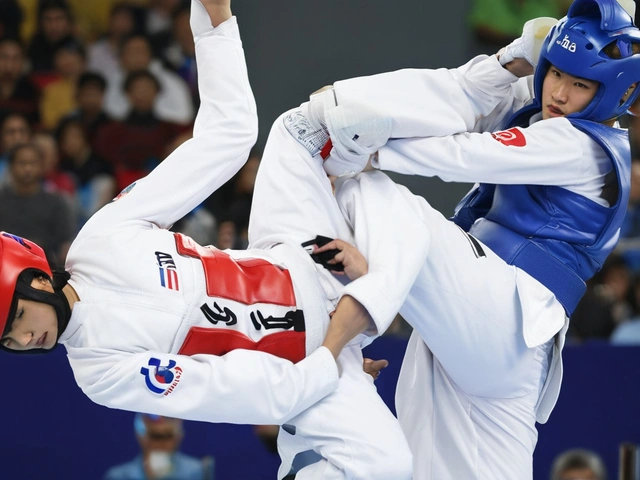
(125, 191)
(161, 379)
(18, 239)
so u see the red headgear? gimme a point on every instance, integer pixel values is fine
(16, 255)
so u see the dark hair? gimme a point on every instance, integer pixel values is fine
(13, 153)
(121, 8)
(179, 10)
(134, 76)
(613, 51)
(92, 79)
(72, 45)
(64, 124)
(134, 36)
(578, 459)
(13, 40)
(46, 5)
(14, 114)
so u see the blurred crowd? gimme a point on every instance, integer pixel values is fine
(93, 95)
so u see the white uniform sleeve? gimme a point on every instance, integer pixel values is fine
(549, 152)
(424, 103)
(244, 387)
(225, 130)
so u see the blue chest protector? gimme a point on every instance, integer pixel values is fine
(558, 237)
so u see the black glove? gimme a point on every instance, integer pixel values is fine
(323, 257)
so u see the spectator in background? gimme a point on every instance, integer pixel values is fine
(94, 180)
(92, 17)
(629, 243)
(607, 303)
(159, 16)
(55, 180)
(10, 19)
(173, 100)
(578, 464)
(27, 209)
(496, 23)
(55, 28)
(137, 144)
(226, 235)
(15, 129)
(232, 203)
(159, 439)
(103, 55)
(180, 52)
(17, 92)
(59, 96)
(90, 91)
(628, 333)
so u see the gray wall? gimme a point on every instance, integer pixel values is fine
(295, 47)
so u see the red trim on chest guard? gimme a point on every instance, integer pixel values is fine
(511, 138)
(248, 281)
(215, 341)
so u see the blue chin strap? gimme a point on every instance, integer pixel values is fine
(576, 46)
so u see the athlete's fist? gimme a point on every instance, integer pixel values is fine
(529, 44)
(373, 367)
(353, 261)
(219, 11)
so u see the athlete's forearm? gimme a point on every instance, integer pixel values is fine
(349, 320)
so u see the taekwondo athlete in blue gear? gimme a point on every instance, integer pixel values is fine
(484, 362)
(555, 245)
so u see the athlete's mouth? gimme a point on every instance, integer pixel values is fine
(41, 340)
(555, 110)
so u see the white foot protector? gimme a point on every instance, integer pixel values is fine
(311, 138)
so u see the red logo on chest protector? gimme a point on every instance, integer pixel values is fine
(247, 280)
(511, 138)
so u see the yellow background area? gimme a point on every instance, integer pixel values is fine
(90, 16)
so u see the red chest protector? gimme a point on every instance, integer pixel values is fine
(247, 281)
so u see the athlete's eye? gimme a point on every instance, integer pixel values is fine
(19, 313)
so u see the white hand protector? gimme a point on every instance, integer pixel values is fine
(356, 133)
(528, 45)
(346, 164)
(316, 107)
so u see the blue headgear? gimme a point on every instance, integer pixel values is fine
(575, 46)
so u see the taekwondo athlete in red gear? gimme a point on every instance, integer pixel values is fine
(153, 322)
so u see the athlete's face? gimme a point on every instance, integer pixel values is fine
(563, 94)
(35, 324)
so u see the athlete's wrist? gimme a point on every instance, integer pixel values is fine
(349, 320)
